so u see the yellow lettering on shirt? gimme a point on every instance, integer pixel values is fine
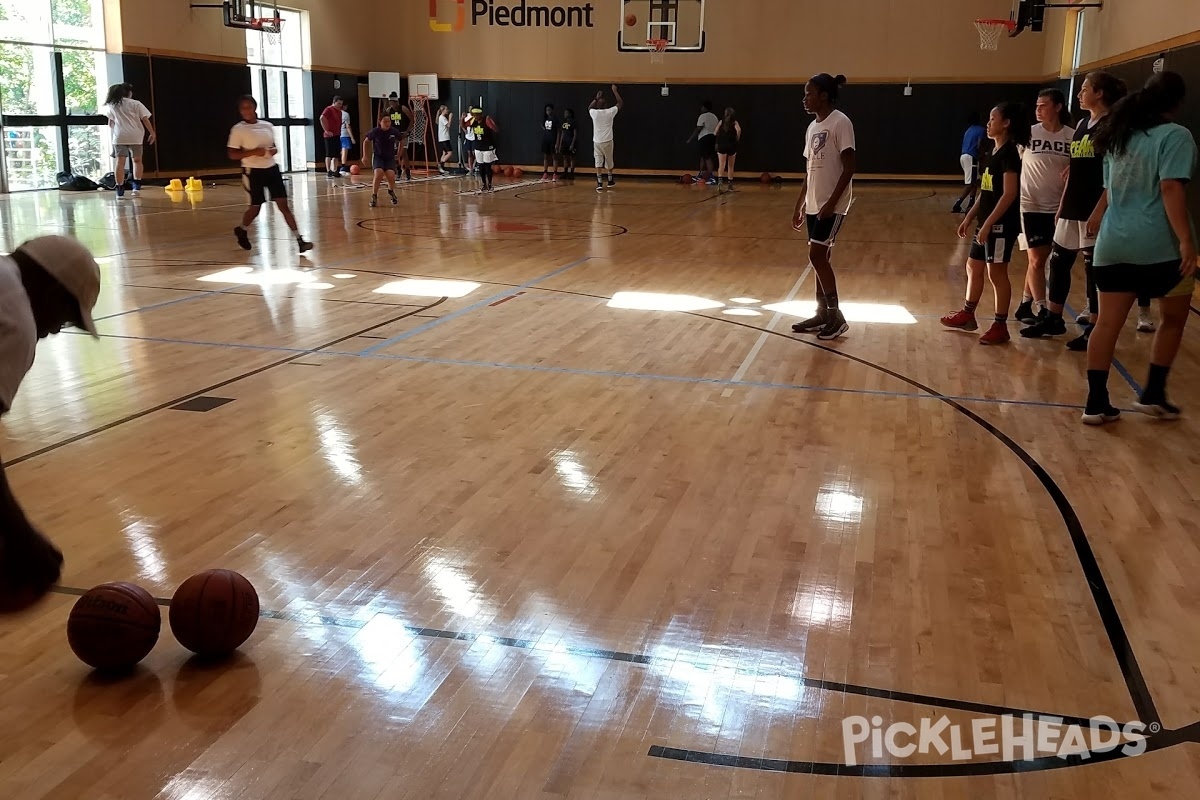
(1083, 148)
(985, 181)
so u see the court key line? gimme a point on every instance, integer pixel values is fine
(487, 301)
(766, 334)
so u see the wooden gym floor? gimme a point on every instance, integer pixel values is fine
(515, 542)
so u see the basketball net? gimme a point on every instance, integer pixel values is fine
(658, 49)
(990, 31)
(270, 27)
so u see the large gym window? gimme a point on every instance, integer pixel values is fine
(277, 63)
(53, 78)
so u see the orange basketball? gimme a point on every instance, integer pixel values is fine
(765, 177)
(630, 20)
(354, 169)
(517, 172)
(113, 626)
(214, 612)
(687, 180)
(508, 172)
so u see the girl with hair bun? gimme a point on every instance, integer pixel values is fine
(826, 197)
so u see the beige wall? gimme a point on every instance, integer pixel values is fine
(1126, 26)
(170, 26)
(748, 40)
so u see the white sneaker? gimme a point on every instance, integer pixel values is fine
(1085, 316)
(1146, 322)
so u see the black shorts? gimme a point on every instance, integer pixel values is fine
(385, 164)
(333, 147)
(823, 231)
(549, 146)
(1144, 280)
(261, 182)
(727, 150)
(445, 147)
(1038, 228)
(1000, 245)
(568, 148)
(708, 146)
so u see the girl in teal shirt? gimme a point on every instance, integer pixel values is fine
(1146, 244)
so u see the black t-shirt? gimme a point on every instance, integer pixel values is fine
(568, 132)
(991, 184)
(1086, 183)
(550, 129)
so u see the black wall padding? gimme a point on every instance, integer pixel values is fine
(921, 134)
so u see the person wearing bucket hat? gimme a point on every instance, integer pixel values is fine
(48, 283)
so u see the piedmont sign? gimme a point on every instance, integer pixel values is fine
(517, 15)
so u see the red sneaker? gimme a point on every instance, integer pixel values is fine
(996, 334)
(963, 320)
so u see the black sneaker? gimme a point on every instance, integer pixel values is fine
(813, 324)
(611, 181)
(374, 201)
(1080, 343)
(243, 239)
(1160, 409)
(1100, 413)
(303, 245)
(408, 175)
(599, 186)
(957, 208)
(1048, 325)
(834, 328)
(1025, 313)
(392, 195)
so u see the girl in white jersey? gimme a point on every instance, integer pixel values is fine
(1043, 177)
(444, 120)
(826, 197)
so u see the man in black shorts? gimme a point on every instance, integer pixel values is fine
(385, 141)
(402, 120)
(252, 142)
(550, 128)
(706, 134)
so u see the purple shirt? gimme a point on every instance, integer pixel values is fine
(385, 142)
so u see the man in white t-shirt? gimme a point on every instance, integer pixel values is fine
(706, 134)
(47, 283)
(347, 139)
(828, 195)
(602, 135)
(130, 123)
(252, 142)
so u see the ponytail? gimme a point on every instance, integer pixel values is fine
(1140, 111)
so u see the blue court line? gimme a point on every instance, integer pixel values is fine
(591, 372)
(1117, 365)
(175, 302)
(510, 292)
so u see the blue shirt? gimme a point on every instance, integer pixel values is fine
(1135, 229)
(972, 139)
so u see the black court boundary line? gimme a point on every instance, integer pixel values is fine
(208, 389)
(645, 660)
(619, 230)
(290, 296)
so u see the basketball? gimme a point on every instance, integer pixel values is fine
(687, 180)
(517, 172)
(113, 626)
(630, 20)
(765, 177)
(214, 612)
(354, 169)
(508, 171)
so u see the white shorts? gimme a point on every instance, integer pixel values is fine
(1072, 234)
(486, 157)
(968, 167)
(604, 154)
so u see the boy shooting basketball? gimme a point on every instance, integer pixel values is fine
(47, 283)
(602, 135)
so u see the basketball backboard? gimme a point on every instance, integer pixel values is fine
(679, 22)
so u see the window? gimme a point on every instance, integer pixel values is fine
(276, 64)
(53, 77)
(1076, 57)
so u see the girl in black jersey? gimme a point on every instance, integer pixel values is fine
(568, 133)
(998, 212)
(550, 127)
(729, 133)
(1085, 184)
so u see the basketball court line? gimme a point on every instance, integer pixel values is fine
(501, 188)
(512, 291)
(540, 645)
(201, 296)
(762, 337)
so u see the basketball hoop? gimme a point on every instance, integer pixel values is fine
(269, 26)
(658, 49)
(990, 31)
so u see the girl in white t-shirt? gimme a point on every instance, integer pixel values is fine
(130, 123)
(445, 120)
(826, 198)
